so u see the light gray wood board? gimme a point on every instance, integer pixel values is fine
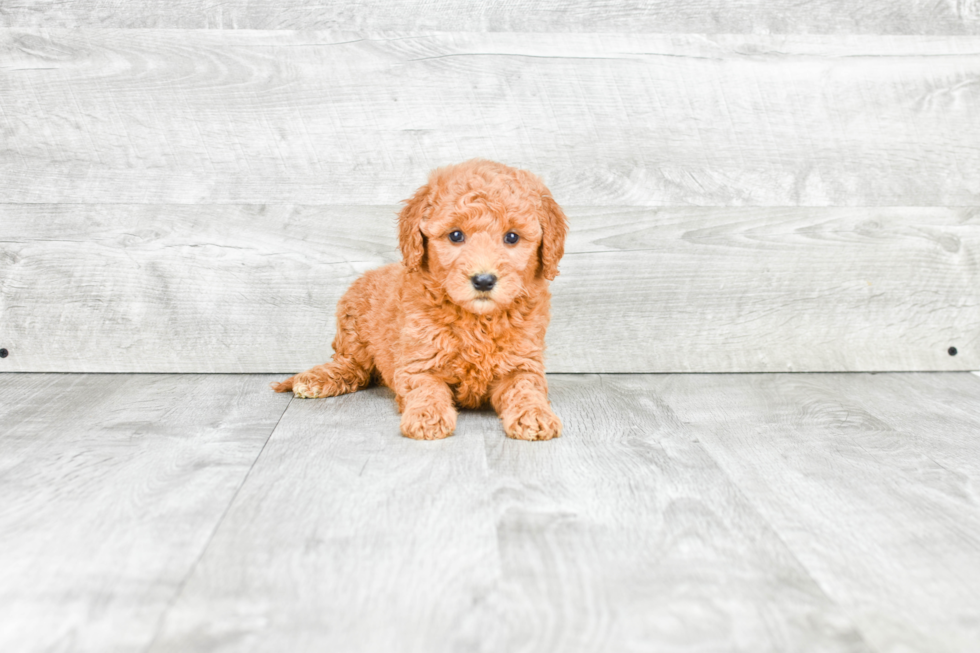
(348, 537)
(705, 16)
(857, 490)
(776, 290)
(172, 288)
(185, 116)
(937, 429)
(624, 535)
(112, 485)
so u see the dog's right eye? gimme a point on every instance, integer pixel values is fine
(456, 236)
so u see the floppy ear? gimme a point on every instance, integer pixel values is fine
(555, 226)
(410, 238)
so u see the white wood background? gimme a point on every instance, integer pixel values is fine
(189, 200)
(693, 16)
(219, 116)
(231, 288)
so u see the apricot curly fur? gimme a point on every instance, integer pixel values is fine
(421, 326)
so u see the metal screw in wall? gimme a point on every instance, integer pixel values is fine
(952, 351)
(3, 353)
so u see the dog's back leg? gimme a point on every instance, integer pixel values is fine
(338, 377)
(351, 367)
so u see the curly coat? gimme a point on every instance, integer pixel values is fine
(430, 329)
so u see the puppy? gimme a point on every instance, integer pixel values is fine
(460, 321)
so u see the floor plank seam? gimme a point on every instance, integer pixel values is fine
(779, 537)
(190, 571)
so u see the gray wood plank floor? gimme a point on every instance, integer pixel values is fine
(110, 489)
(795, 512)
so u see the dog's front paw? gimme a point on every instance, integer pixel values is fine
(428, 422)
(532, 423)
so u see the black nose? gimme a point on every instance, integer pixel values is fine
(483, 282)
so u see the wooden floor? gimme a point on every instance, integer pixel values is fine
(806, 512)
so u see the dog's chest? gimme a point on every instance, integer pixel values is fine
(475, 360)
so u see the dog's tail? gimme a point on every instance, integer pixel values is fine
(283, 386)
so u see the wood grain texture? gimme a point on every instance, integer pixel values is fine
(857, 490)
(625, 535)
(620, 536)
(934, 418)
(219, 116)
(677, 513)
(112, 487)
(347, 537)
(699, 16)
(158, 288)
(777, 290)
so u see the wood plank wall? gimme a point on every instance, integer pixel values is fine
(941, 17)
(752, 186)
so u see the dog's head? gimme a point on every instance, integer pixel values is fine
(483, 231)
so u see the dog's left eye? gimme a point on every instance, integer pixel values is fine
(456, 236)
(511, 238)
